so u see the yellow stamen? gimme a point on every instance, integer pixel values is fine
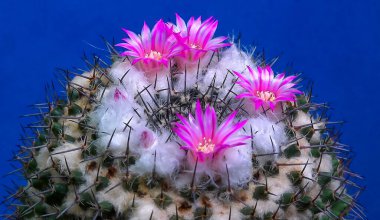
(154, 55)
(195, 46)
(206, 146)
(266, 95)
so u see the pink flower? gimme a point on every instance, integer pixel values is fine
(147, 138)
(151, 50)
(197, 37)
(202, 136)
(265, 89)
(118, 95)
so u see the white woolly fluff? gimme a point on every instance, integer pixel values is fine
(236, 159)
(183, 179)
(308, 175)
(222, 212)
(89, 176)
(73, 157)
(305, 166)
(239, 163)
(118, 197)
(301, 119)
(142, 140)
(193, 73)
(316, 138)
(325, 165)
(72, 128)
(166, 162)
(274, 115)
(42, 157)
(161, 83)
(133, 79)
(268, 137)
(232, 59)
(293, 214)
(117, 145)
(144, 210)
(336, 185)
(314, 191)
(279, 185)
(75, 209)
(114, 114)
(189, 77)
(265, 206)
(82, 81)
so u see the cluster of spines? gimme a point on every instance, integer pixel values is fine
(162, 114)
(333, 203)
(49, 133)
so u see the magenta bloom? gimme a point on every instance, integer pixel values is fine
(265, 89)
(152, 49)
(202, 136)
(197, 37)
(118, 95)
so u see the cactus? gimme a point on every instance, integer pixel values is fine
(183, 126)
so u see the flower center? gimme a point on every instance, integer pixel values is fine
(206, 146)
(266, 95)
(154, 55)
(195, 46)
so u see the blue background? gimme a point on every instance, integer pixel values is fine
(334, 43)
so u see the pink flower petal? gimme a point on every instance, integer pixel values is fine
(266, 89)
(203, 137)
(152, 50)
